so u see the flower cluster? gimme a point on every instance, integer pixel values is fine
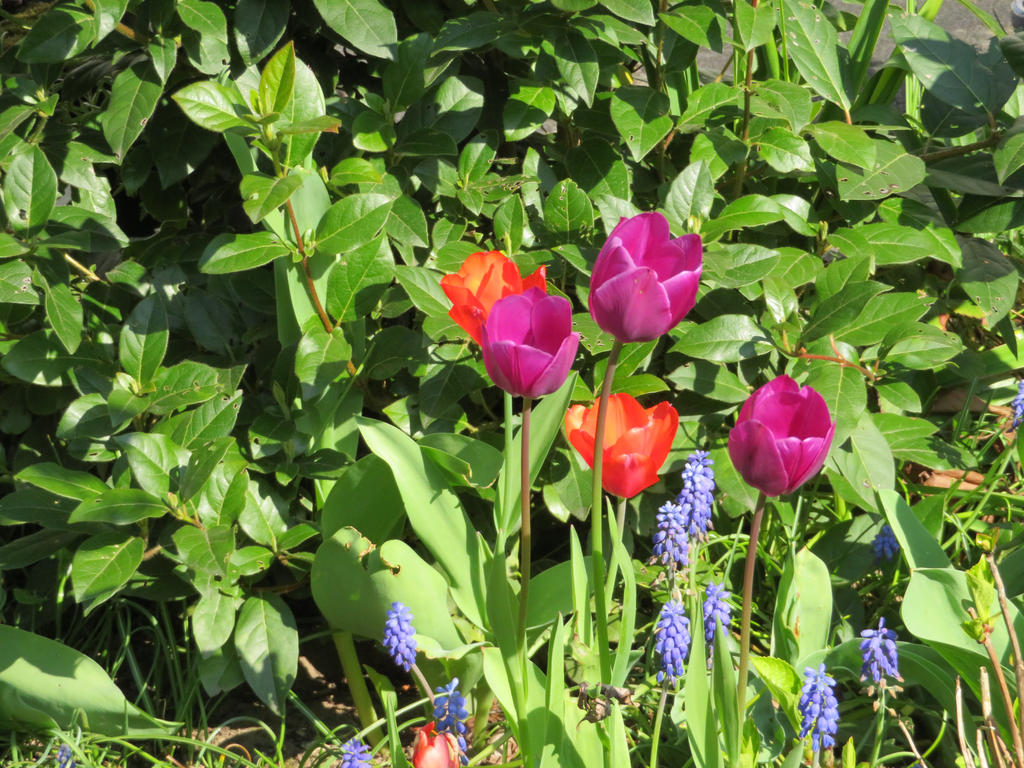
(354, 754)
(450, 714)
(671, 540)
(1018, 405)
(878, 651)
(64, 759)
(819, 709)
(884, 545)
(672, 641)
(398, 636)
(697, 495)
(716, 610)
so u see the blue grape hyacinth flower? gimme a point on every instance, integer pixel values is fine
(885, 545)
(1018, 405)
(64, 757)
(672, 641)
(697, 496)
(450, 714)
(716, 610)
(398, 635)
(819, 709)
(878, 650)
(354, 754)
(671, 541)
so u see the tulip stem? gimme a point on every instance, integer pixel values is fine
(597, 518)
(656, 736)
(748, 596)
(525, 535)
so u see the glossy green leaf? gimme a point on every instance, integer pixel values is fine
(813, 46)
(754, 24)
(133, 98)
(30, 189)
(62, 481)
(1009, 156)
(367, 24)
(153, 459)
(259, 24)
(697, 23)
(988, 278)
(213, 621)
(846, 143)
(577, 63)
(844, 391)
(784, 151)
(864, 462)
(65, 315)
(568, 209)
(38, 358)
(723, 339)
(213, 106)
(703, 102)
(641, 116)
(61, 33)
(352, 222)
(119, 506)
(526, 109)
(144, 339)
(747, 211)
(235, 253)
(267, 642)
(803, 608)
(102, 565)
(839, 313)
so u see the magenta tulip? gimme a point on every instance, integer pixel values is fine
(528, 343)
(644, 282)
(781, 437)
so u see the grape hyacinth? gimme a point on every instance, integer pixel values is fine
(819, 708)
(450, 714)
(398, 635)
(671, 541)
(716, 610)
(64, 757)
(878, 649)
(672, 641)
(697, 495)
(1018, 406)
(884, 545)
(354, 754)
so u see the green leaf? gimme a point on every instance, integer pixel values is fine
(406, 225)
(775, 99)
(277, 81)
(840, 312)
(814, 48)
(1009, 156)
(864, 462)
(526, 109)
(988, 278)
(723, 339)
(30, 188)
(119, 506)
(10, 247)
(925, 347)
(213, 621)
(201, 465)
(214, 418)
(144, 339)
(206, 550)
(703, 102)
(405, 78)
(754, 24)
(102, 565)
(133, 98)
(715, 382)
(567, 208)
(69, 483)
(352, 222)
(881, 314)
(153, 459)
(358, 280)
(784, 151)
(58, 35)
(320, 359)
(783, 682)
(887, 244)
(641, 116)
(262, 195)
(691, 194)
(259, 24)
(53, 686)
(213, 106)
(235, 253)
(803, 607)
(577, 63)
(846, 143)
(267, 642)
(65, 315)
(39, 358)
(630, 10)
(746, 211)
(696, 23)
(844, 391)
(367, 24)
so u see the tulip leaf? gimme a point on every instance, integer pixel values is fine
(803, 608)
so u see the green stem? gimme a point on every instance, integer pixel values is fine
(748, 596)
(879, 726)
(597, 518)
(656, 736)
(421, 678)
(484, 700)
(353, 672)
(620, 517)
(525, 537)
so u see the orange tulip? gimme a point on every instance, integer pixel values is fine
(636, 441)
(482, 279)
(434, 750)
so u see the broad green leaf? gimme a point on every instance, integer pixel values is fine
(846, 143)
(358, 280)
(102, 565)
(844, 391)
(864, 462)
(320, 359)
(577, 62)
(30, 188)
(69, 483)
(144, 339)
(367, 24)
(213, 106)
(267, 642)
(722, 339)
(406, 225)
(59, 34)
(697, 23)
(783, 682)
(988, 278)
(65, 315)
(784, 151)
(355, 170)
(163, 55)
(259, 24)
(205, 550)
(405, 78)
(814, 48)
(775, 99)
(1009, 156)
(352, 222)
(925, 347)
(641, 116)
(715, 382)
(133, 98)
(754, 23)
(214, 418)
(598, 168)
(887, 244)
(119, 506)
(201, 465)
(235, 253)
(691, 194)
(880, 314)
(38, 358)
(475, 30)
(213, 620)
(526, 109)
(703, 102)
(423, 287)
(568, 209)
(262, 195)
(153, 458)
(277, 81)
(108, 14)
(736, 265)
(840, 311)
(641, 12)
(803, 608)
(10, 247)
(747, 211)
(261, 518)
(52, 686)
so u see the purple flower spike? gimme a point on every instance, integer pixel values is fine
(1018, 406)
(885, 545)
(672, 641)
(450, 714)
(354, 754)
(716, 610)
(398, 636)
(819, 708)
(878, 650)
(671, 541)
(697, 496)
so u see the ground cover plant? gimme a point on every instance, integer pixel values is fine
(547, 397)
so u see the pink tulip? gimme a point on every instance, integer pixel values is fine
(781, 437)
(528, 343)
(644, 282)
(434, 750)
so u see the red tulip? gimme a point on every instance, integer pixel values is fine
(644, 282)
(636, 441)
(528, 343)
(781, 437)
(482, 279)
(434, 750)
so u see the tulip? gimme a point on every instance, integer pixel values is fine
(636, 441)
(434, 750)
(482, 279)
(644, 282)
(781, 437)
(528, 343)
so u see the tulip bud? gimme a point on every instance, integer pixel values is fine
(782, 437)
(434, 750)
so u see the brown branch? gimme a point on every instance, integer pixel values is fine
(1018, 662)
(966, 149)
(960, 735)
(1004, 690)
(305, 268)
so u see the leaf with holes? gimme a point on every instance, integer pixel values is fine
(814, 48)
(893, 172)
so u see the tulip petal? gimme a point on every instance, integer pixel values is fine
(509, 319)
(626, 474)
(632, 306)
(755, 456)
(557, 370)
(613, 260)
(550, 322)
(537, 280)
(580, 437)
(514, 367)
(642, 232)
(624, 413)
(682, 293)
